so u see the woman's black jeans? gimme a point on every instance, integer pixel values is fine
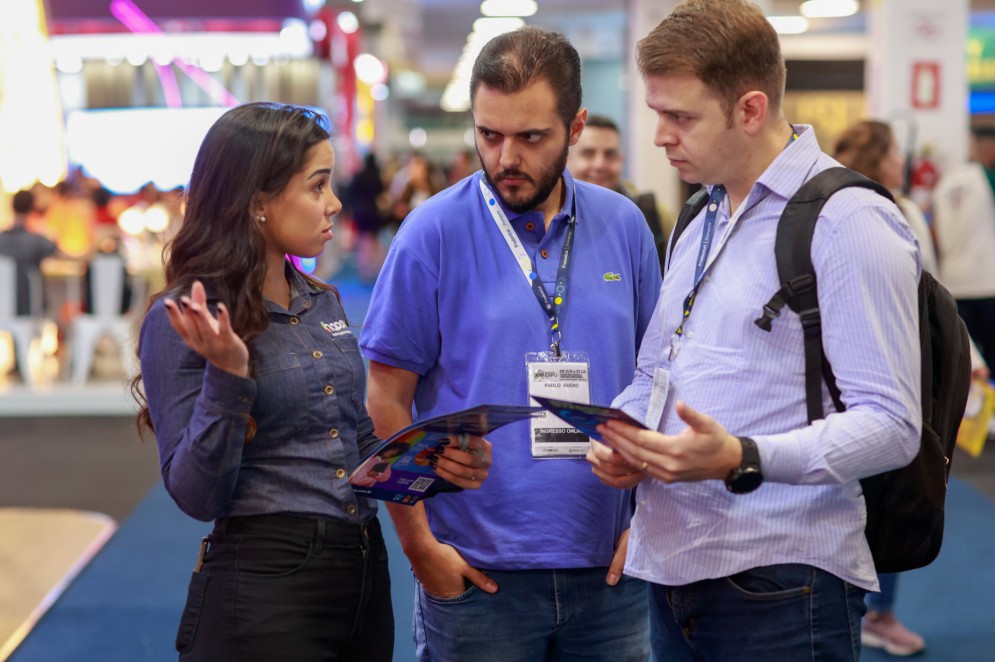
(285, 587)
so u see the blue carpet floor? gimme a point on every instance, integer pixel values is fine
(124, 607)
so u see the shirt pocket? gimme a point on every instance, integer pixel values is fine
(350, 372)
(282, 404)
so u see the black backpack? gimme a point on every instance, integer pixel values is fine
(904, 506)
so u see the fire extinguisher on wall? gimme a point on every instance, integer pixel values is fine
(922, 180)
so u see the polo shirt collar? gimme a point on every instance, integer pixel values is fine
(564, 213)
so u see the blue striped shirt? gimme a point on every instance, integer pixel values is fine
(809, 509)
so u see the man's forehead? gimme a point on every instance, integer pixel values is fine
(531, 108)
(676, 89)
(599, 135)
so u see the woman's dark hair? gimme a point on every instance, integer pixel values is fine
(251, 150)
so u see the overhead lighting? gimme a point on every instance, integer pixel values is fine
(418, 137)
(508, 7)
(829, 8)
(348, 22)
(379, 92)
(410, 82)
(456, 97)
(369, 69)
(488, 28)
(789, 24)
(29, 99)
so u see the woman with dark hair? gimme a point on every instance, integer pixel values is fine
(254, 387)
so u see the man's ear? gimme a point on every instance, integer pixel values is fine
(577, 125)
(751, 111)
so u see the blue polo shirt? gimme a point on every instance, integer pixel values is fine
(452, 305)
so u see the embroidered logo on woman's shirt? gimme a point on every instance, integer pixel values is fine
(336, 328)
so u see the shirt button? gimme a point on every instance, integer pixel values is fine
(294, 321)
(329, 390)
(544, 253)
(316, 354)
(351, 509)
(334, 433)
(340, 473)
(530, 226)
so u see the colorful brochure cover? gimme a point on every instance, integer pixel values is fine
(398, 469)
(585, 418)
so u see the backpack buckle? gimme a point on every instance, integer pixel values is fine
(769, 313)
(799, 285)
(811, 320)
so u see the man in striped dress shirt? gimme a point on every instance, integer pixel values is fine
(749, 521)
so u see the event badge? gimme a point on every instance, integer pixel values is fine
(658, 398)
(563, 378)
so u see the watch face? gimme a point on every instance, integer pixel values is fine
(747, 480)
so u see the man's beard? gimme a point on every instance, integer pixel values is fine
(548, 178)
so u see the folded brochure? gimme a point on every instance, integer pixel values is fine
(585, 418)
(398, 469)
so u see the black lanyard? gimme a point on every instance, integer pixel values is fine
(711, 212)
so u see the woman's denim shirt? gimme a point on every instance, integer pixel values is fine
(306, 393)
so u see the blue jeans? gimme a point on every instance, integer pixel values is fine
(884, 601)
(787, 613)
(536, 616)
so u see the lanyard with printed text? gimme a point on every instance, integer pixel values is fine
(707, 232)
(714, 200)
(552, 306)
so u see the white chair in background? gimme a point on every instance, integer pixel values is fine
(23, 328)
(107, 274)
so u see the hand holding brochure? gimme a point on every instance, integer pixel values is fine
(398, 469)
(585, 418)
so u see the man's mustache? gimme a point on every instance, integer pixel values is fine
(516, 174)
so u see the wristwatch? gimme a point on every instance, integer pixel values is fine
(747, 476)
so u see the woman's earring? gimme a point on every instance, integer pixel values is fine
(260, 219)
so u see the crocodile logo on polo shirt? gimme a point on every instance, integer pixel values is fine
(612, 277)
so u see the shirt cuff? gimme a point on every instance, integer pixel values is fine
(227, 393)
(782, 459)
(410, 366)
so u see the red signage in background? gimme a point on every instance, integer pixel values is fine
(925, 85)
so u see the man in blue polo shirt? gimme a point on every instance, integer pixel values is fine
(517, 279)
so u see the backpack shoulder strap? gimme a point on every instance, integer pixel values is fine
(691, 209)
(793, 253)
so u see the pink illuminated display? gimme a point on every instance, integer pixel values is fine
(138, 22)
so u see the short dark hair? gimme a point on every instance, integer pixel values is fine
(23, 202)
(602, 122)
(729, 45)
(514, 60)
